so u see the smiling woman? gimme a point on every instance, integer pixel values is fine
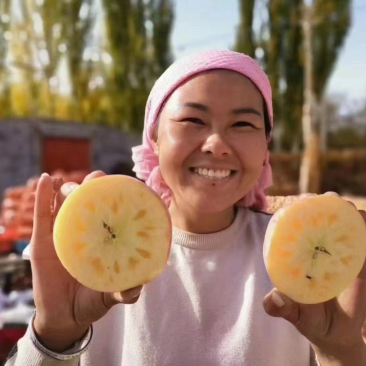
(208, 122)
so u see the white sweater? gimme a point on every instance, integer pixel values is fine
(204, 309)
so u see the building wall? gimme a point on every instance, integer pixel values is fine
(21, 147)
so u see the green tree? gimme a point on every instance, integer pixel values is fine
(46, 38)
(162, 17)
(5, 18)
(139, 42)
(55, 30)
(76, 33)
(280, 39)
(332, 20)
(283, 60)
(245, 41)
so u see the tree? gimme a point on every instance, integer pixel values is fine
(59, 36)
(5, 18)
(245, 38)
(139, 35)
(324, 47)
(332, 20)
(162, 17)
(54, 31)
(282, 42)
(45, 37)
(77, 24)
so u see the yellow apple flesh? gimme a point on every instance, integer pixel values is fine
(315, 248)
(113, 233)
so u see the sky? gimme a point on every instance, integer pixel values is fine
(202, 24)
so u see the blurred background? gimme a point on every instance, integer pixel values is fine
(75, 76)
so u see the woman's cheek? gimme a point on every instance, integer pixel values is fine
(252, 151)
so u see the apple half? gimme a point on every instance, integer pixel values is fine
(315, 248)
(113, 233)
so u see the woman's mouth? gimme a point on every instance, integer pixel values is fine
(213, 174)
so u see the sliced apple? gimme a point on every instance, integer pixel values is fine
(113, 233)
(315, 248)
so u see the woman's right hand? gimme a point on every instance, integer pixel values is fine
(65, 308)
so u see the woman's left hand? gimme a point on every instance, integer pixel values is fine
(333, 327)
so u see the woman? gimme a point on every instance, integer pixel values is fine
(207, 125)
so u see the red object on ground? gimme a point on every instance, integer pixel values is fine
(18, 206)
(7, 239)
(8, 339)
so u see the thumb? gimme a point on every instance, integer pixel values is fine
(279, 305)
(126, 297)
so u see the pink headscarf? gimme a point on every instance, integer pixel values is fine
(147, 162)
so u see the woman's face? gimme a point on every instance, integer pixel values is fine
(211, 140)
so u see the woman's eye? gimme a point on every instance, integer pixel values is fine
(194, 120)
(243, 124)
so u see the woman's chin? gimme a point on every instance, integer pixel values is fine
(209, 205)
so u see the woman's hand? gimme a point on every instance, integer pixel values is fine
(333, 327)
(65, 308)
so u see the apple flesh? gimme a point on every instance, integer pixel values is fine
(315, 248)
(113, 233)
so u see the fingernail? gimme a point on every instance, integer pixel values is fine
(45, 175)
(67, 188)
(305, 196)
(277, 299)
(330, 193)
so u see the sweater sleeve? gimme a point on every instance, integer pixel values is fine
(30, 352)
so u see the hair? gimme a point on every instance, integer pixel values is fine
(267, 122)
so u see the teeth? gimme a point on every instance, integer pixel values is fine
(212, 174)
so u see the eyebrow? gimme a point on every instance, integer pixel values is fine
(247, 111)
(204, 108)
(199, 106)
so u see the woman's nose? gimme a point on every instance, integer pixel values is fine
(216, 145)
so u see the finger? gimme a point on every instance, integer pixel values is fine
(330, 193)
(337, 195)
(353, 298)
(278, 305)
(126, 297)
(93, 175)
(131, 296)
(305, 196)
(61, 195)
(363, 214)
(362, 274)
(42, 226)
(69, 187)
(41, 244)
